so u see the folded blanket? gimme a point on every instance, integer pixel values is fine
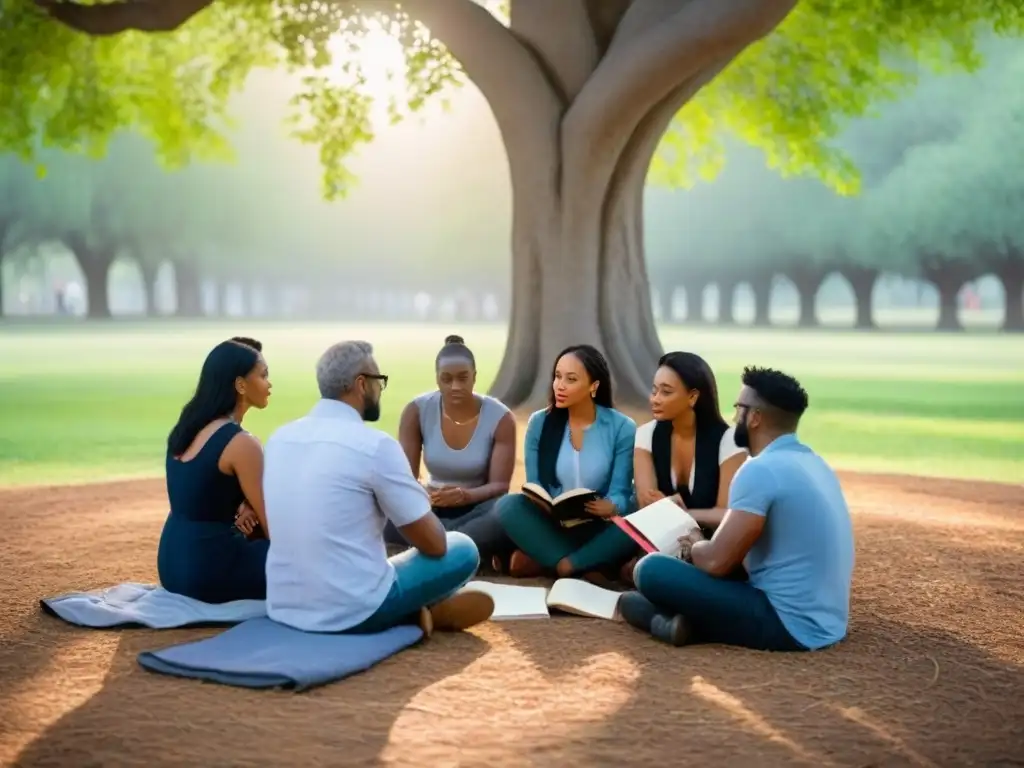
(146, 605)
(261, 653)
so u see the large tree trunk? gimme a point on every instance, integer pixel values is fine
(761, 285)
(95, 263)
(1011, 273)
(807, 280)
(949, 278)
(582, 93)
(862, 281)
(187, 290)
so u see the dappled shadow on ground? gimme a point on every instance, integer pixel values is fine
(931, 674)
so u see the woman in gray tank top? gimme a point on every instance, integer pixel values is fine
(468, 444)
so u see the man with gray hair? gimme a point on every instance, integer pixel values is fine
(330, 483)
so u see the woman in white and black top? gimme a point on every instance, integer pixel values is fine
(688, 452)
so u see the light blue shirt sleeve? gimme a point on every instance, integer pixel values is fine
(620, 485)
(753, 488)
(531, 444)
(400, 497)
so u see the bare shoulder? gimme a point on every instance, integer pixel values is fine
(506, 426)
(244, 445)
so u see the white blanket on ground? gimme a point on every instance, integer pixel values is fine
(147, 605)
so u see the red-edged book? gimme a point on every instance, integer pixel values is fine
(658, 527)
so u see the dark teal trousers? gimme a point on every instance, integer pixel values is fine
(589, 546)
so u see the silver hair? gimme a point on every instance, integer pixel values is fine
(338, 367)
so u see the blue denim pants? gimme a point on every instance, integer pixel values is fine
(718, 610)
(422, 581)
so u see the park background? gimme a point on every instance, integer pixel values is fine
(841, 199)
(898, 304)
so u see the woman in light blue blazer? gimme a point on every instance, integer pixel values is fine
(578, 441)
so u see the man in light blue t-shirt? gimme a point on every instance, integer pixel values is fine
(787, 523)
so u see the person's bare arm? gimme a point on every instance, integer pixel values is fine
(502, 464)
(726, 472)
(726, 549)
(243, 456)
(410, 437)
(644, 478)
(751, 493)
(427, 535)
(404, 501)
(712, 518)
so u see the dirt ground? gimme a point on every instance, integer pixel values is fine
(930, 675)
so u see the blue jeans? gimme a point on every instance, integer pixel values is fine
(718, 610)
(422, 581)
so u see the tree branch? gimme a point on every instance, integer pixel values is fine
(643, 69)
(605, 17)
(641, 16)
(561, 36)
(123, 15)
(524, 102)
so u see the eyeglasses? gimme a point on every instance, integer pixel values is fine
(381, 377)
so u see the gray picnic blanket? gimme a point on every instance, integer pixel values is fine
(261, 653)
(146, 605)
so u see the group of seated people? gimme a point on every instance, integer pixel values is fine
(305, 523)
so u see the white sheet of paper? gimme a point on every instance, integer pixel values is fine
(577, 596)
(514, 602)
(663, 522)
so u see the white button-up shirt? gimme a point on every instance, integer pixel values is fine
(330, 481)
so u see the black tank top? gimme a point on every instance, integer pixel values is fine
(197, 489)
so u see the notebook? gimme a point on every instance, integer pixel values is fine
(657, 528)
(575, 596)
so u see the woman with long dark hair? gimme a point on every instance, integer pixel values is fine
(687, 452)
(214, 543)
(578, 441)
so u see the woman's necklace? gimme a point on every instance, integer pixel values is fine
(461, 423)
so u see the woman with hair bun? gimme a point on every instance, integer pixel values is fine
(467, 442)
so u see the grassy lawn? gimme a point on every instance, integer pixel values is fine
(91, 402)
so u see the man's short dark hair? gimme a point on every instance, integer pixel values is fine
(778, 390)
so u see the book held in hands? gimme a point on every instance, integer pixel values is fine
(658, 527)
(575, 596)
(568, 509)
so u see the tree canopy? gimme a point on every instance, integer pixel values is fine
(940, 199)
(787, 94)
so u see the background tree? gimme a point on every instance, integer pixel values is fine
(15, 178)
(952, 210)
(582, 92)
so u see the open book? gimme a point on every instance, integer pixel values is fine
(567, 509)
(582, 598)
(657, 528)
